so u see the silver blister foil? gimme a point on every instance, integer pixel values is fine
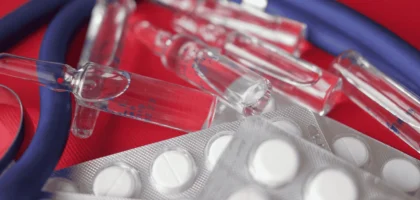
(393, 166)
(278, 165)
(138, 162)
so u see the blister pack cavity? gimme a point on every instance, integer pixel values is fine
(265, 162)
(393, 166)
(172, 169)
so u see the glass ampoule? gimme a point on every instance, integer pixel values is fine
(119, 92)
(103, 45)
(197, 63)
(384, 99)
(301, 81)
(282, 32)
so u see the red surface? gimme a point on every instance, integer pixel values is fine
(115, 134)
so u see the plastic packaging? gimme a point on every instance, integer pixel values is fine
(204, 149)
(280, 165)
(394, 167)
(119, 92)
(178, 167)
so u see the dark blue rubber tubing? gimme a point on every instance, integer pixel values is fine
(26, 19)
(26, 178)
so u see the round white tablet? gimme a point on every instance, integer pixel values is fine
(216, 146)
(289, 127)
(352, 150)
(402, 173)
(331, 184)
(117, 181)
(173, 171)
(275, 162)
(261, 4)
(247, 194)
(60, 184)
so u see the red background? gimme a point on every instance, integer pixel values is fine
(114, 134)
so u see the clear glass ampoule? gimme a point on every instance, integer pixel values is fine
(125, 94)
(383, 98)
(205, 68)
(103, 45)
(282, 32)
(302, 82)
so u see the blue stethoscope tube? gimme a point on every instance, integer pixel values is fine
(29, 174)
(27, 177)
(26, 19)
(327, 31)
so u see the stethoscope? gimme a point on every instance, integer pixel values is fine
(346, 30)
(25, 179)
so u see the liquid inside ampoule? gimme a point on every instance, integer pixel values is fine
(207, 70)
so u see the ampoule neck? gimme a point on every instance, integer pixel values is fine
(55, 76)
(72, 78)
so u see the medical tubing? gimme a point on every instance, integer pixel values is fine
(26, 19)
(26, 178)
(316, 35)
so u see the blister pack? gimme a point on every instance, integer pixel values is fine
(395, 167)
(300, 122)
(262, 162)
(172, 169)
